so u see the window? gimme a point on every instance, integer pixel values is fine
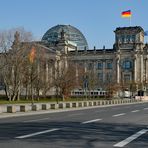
(127, 64)
(90, 66)
(122, 38)
(100, 65)
(109, 77)
(128, 38)
(109, 65)
(133, 38)
(127, 78)
(100, 76)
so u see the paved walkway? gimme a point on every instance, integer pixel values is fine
(28, 113)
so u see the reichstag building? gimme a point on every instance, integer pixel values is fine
(126, 62)
(124, 65)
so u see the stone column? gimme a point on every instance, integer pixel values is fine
(51, 74)
(56, 68)
(85, 66)
(135, 68)
(47, 72)
(146, 69)
(141, 67)
(66, 63)
(118, 70)
(77, 73)
(104, 70)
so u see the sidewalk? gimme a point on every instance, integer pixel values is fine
(29, 113)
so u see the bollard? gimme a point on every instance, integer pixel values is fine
(68, 105)
(80, 104)
(62, 105)
(90, 103)
(11, 109)
(85, 104)
(23, 108)
(45, 106)
(74, 104)
(35, 107)
(54, 106)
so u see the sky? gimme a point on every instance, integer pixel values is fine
(96, 19)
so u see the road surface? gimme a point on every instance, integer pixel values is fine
(103, 127)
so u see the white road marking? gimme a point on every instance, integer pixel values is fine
(90, 121)
(36, 120)
(119, 115)
(134, 111)
(145, 108)
(131, 138)
(37, 133)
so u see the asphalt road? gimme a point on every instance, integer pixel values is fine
(102, 127)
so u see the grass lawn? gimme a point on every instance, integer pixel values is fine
(4, 101)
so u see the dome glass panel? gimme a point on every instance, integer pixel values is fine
(71, 33)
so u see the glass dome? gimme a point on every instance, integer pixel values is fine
(72, 34)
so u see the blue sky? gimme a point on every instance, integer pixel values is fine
(96, 19)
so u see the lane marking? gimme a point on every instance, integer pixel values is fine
(145, 108)
(90, 121)
(36, 120)
(37, 133)
(131, 138)
(134, 111)
(119, 115)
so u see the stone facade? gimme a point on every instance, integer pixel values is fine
(126, 62)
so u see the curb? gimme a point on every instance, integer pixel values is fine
(39, 112)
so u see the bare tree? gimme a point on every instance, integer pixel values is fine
(65, 79)
(12, 62)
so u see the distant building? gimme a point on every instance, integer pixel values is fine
(126, 62)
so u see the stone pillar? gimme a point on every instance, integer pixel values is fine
(56, 68)
(47, 72)
(51, 74)
(65, 62)
(141, 66)
(135, 68)
(118, 70)
(146, 70)
(77, 73)
(85, 66)
(104, 70)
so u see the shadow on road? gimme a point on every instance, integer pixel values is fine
(72, 134)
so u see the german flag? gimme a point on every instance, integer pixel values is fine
(126, 13)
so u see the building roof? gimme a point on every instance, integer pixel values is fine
(72, 34)
(132, 28)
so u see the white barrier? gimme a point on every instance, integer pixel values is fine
(62, 105)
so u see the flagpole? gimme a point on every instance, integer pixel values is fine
(127, 14)
(130, 21)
